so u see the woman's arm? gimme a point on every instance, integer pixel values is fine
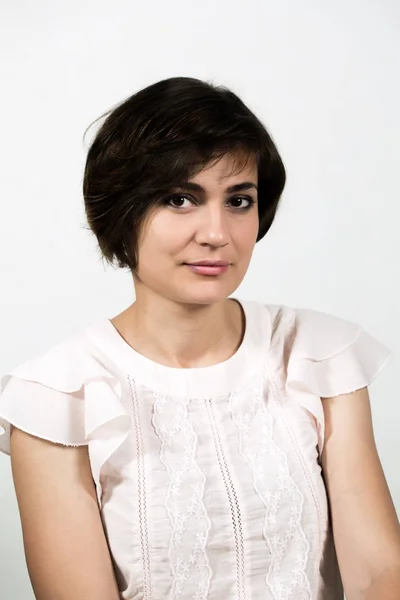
(365, 525)
(65, 547)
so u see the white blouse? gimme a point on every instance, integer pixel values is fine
(208, 479)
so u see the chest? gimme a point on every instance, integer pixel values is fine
(222, 494)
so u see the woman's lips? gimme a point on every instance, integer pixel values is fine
(208, 269)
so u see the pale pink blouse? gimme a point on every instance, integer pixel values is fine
(208, 479)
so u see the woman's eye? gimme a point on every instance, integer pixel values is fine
(178, 197)
(240, 199)
(178, 200)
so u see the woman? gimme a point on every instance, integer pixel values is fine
(197, 445)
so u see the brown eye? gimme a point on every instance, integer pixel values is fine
(241, 199)
(179, 198)
(177, 201)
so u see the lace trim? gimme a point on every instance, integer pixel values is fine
(288, 546)
(184, 501)
(142, 505)
(233, 503)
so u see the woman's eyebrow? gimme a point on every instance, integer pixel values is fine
(196, 187)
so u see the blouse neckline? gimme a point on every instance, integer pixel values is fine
(197, 382)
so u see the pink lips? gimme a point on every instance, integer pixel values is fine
(210, 263)
(209, 268)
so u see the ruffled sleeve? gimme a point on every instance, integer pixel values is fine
(70, 395)
(323, 356)
(332, 356)
(45, 412)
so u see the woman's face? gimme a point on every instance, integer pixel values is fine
(211, 223)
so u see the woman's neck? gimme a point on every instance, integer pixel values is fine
(171, 335)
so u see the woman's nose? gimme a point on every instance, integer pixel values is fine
(213, 227)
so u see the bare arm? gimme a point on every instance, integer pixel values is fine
(65, 547)
(365, 524)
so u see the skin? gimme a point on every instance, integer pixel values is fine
(182, 319)
(65, 547)
(365, 525)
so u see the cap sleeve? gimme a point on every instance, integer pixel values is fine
(332, 356)
(318, 355)
(41, 411)
(70, 395)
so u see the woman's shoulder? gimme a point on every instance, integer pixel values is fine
(64, 394)
(323, 353)
(62, 365)
(317, 335)
(312, 331)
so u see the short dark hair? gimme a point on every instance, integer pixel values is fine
(164, 134)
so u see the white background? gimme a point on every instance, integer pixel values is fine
(323, 77)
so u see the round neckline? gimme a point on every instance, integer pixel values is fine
(168, 369)
(211, 380)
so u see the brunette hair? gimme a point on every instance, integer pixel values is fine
(164, 134)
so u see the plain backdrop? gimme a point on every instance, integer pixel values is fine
(323, 77)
